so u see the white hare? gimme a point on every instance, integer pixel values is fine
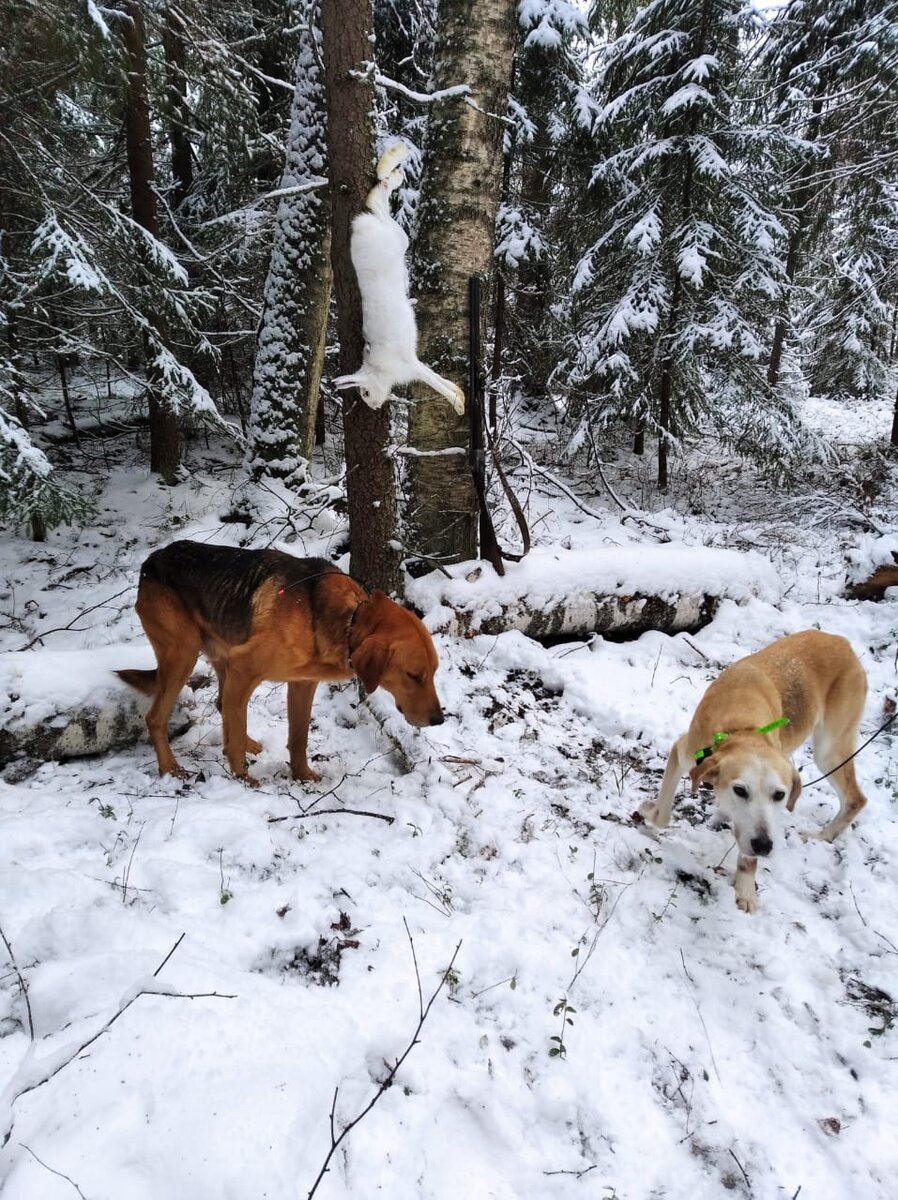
(377, 246)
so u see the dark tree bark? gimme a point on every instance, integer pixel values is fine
(459, 198)
(165, 451)
(370, 484)
(177, 115)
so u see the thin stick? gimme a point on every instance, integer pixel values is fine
(62, 628)
(75, 1052)
(321, 812)
(391, 1074)
(22, 984)
(705, 1029)
(53, 1171)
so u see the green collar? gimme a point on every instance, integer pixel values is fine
(722, 737)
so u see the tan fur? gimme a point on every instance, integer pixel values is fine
(388, 647)
(814, 679)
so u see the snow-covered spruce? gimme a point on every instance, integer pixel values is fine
(378, 247)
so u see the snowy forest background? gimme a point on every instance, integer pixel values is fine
(690, 211)
(684, 219)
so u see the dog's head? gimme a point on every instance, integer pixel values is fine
(391, 648)
(751, 779)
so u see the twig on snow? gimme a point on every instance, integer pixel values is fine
(22, 984)
(322, 812)
(742, 1169)
(53, 1171)
(38, 637)
(33, 1075)
(387, 1081)
(704, 1029)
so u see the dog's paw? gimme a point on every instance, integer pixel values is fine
(252, 746)
(306, 775)
(650, 812)
(747, 904)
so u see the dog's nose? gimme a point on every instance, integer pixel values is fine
(438, 719)
(761, 844)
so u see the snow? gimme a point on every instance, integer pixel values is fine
(709, 1053)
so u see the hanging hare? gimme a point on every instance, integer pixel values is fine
(377, 247)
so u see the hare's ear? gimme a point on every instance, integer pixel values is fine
(705, 771)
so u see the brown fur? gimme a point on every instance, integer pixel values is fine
(876, 586)
(816, 680)
(262, 615)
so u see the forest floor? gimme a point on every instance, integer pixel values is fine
(219, 979)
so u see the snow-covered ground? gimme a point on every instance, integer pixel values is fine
(219, 979)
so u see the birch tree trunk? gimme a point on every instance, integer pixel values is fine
(346, 27)
(456, 226)
(292, 335)
(165, 451)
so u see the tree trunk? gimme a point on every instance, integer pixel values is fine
(534, 290)
(894, 437)
(165, 455)
(456, 228)
(802, 199)
(292, 335)
(370, 485)
(178, 114)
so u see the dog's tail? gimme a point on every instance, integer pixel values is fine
(143, 681)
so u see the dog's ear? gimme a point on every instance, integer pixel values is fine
(705, 771)
(796, 790)
(369, 662)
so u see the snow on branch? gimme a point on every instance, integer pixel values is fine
(391, 85)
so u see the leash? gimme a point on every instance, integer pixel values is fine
(880, 730)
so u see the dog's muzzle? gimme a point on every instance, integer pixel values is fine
(761, 845)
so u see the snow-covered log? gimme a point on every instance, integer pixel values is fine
(69, 704)
(619, 592)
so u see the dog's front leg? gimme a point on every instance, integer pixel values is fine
(658, 811)
(744, 883)
(299, 714)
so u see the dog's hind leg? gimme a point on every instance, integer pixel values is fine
(252, 746)
(830, 750)
(176, 641)
(236, 689)
(299, 713)
(658, 811)
(835, 741)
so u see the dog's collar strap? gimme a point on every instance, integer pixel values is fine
(777, 724)
(708, 750)
(355, 613)
(719, 737)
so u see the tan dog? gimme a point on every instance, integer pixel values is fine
(261, 614)
(739, 743)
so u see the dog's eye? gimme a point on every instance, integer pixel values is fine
(740, 791)
(415, 676)
(779, 794)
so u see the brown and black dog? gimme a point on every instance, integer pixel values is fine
(263, 615)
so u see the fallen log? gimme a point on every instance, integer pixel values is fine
(619, 592)
(68, 704)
